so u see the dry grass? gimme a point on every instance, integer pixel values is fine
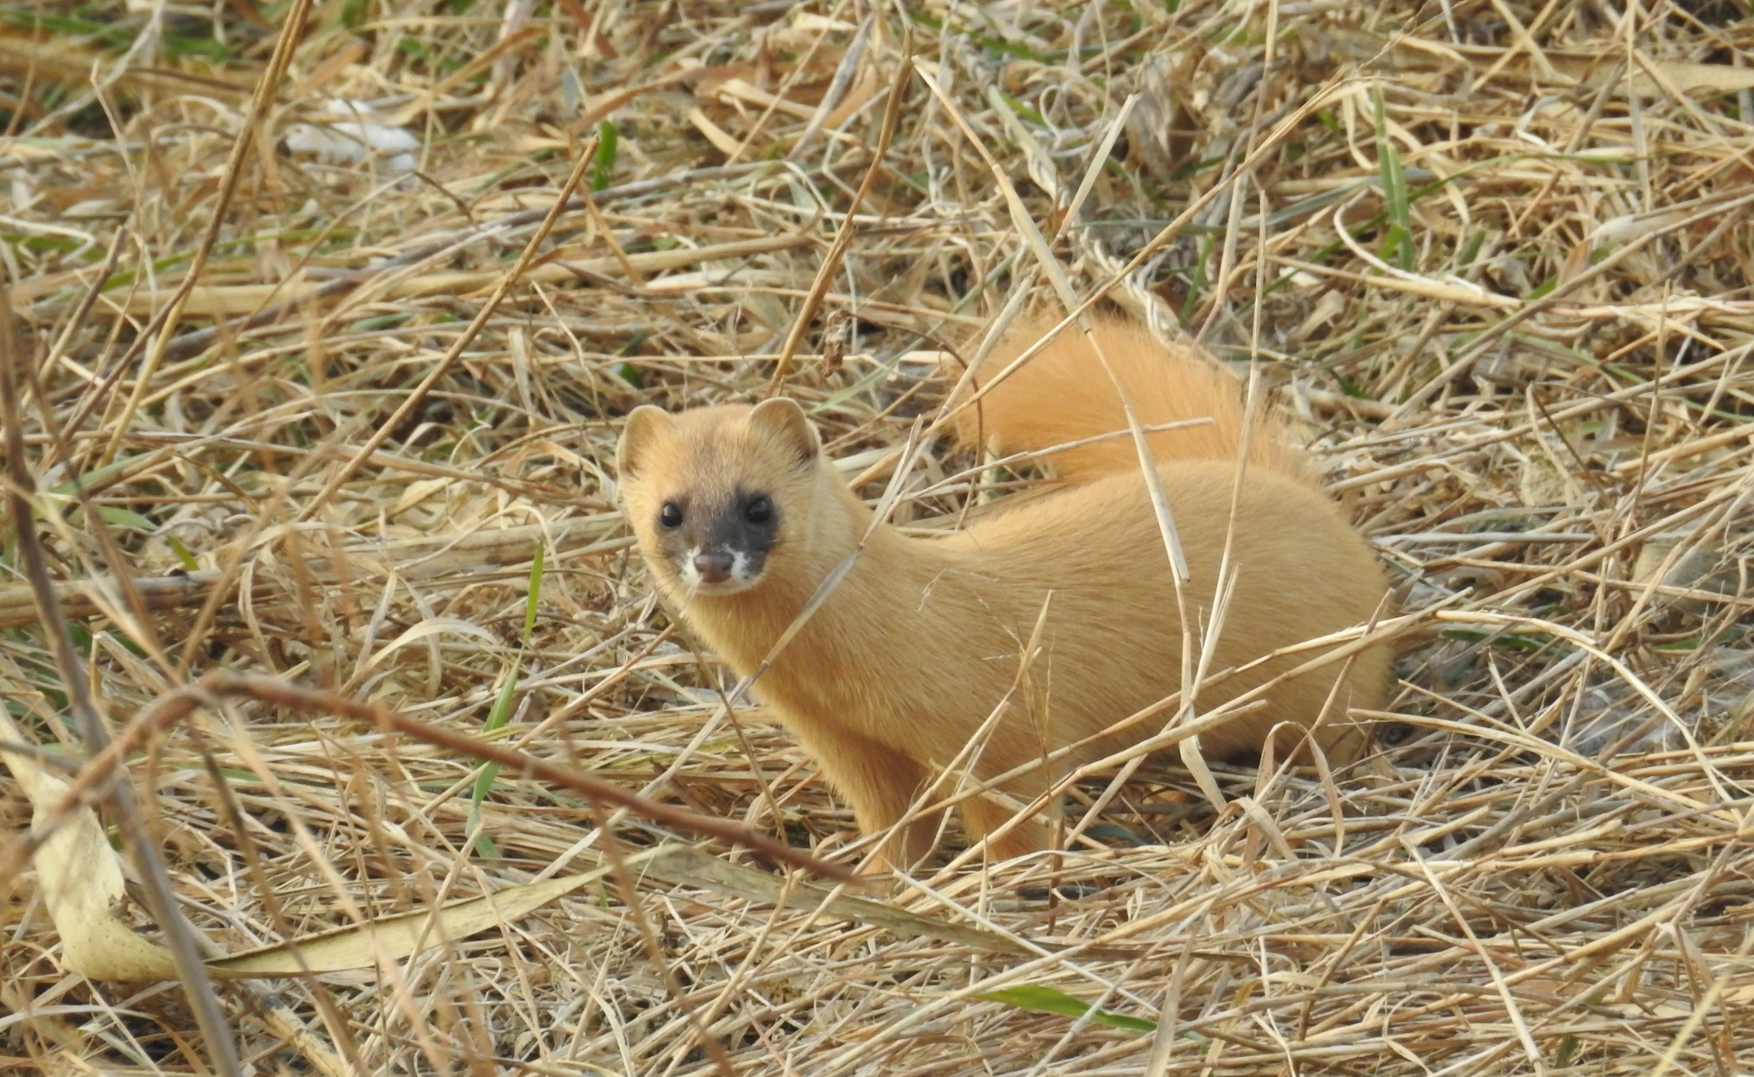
(1504, 268)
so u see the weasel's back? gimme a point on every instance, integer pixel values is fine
(1090, 556)
(1064, 394)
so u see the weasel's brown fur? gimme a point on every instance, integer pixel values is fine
(923, 639)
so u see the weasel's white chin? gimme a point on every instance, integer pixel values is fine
(737, 584)
(732, 586)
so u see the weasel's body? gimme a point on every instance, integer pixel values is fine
(892, 677)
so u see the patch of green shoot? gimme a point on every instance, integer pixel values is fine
(1051, 1000)
(628, 372)
(1567, 1047)
(1197, 276)
(114, 515)
(93, 478)
(1725, 638)
(502, 712)
(603, 167)
(998, 45)
(42, 244)
(337, 240)
(65, 25)
(1471, 249)
(1204, 164)
(533, 599)
(183, 554)
(127, 643)
(1023, 109)
(379, 321)
(199, 45)
(1398, 242)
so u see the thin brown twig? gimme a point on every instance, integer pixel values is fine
(520, 764)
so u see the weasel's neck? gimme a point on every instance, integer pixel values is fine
(743, 628)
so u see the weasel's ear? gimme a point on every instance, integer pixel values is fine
(644, 424)
(786, 422)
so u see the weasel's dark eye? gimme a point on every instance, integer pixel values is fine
(670, 515)
(758, 511)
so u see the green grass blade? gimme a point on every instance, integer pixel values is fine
(535, 595)
(608, 144)
(1399, 239)
(502, 708)
(1050, 1000)
(183, 554)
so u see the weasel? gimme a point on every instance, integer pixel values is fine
(740, 518)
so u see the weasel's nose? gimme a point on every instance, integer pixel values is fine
(713, 567)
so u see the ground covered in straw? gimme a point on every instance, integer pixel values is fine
(1496, 252)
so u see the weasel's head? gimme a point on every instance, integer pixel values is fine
(716, 495)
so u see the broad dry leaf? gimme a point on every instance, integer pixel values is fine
(392, 938)
(81, 879)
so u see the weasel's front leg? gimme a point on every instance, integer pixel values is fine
(981, 817)
(880, 784)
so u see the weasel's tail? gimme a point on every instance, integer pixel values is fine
(1063, 394)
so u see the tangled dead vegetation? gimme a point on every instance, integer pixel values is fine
(328, 412)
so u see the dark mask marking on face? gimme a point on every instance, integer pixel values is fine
(747, 526)
(719, 541)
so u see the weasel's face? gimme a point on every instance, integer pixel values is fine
(718, 542)
(715, 495)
